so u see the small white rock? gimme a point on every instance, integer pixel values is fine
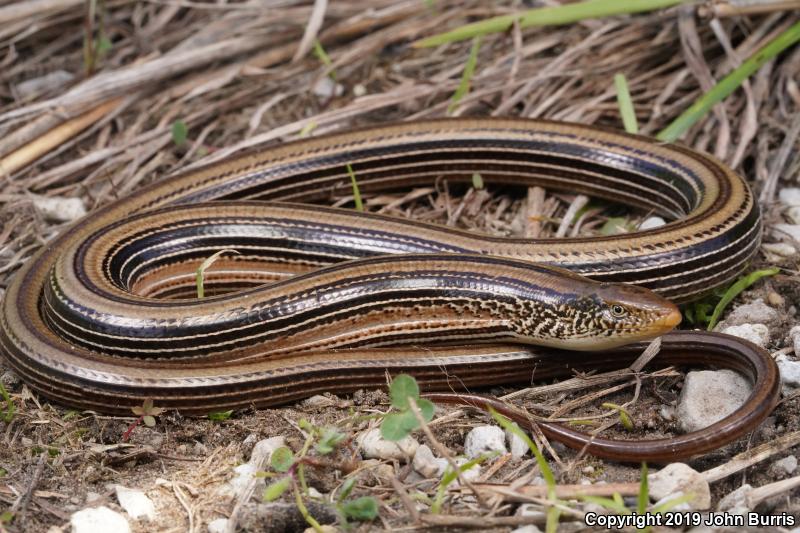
(530, 528)
(679, 477)
(793, 214)
(794, 334)
(135, 503)
(359, 90)
(531, 509)
(245, 473)
(778, 250)
(788, 464)
(314, 493)
(218, 526)
(58, 209)
(262, 451)
(376, 447)
(318, 400)
(680, 508)
(326, 87)
(789, 196)
(484, 439)
(519, 448)
(48, 82)
(667, 412)
(427, 464)
(738, 499)
(471, 474)
(755, 312)
(758, 334)
(652, 222)
(790, 373)
(97, 519)
(787, 232)
(709, 396)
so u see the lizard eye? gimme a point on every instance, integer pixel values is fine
(618, 311)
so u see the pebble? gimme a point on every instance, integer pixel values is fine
(519, 448)
(379, 468)
(777, 251)
(218, 526)
(786, 465)
(755, 312)
(51, 81)
(359, 90)
(326, 87)
(376, 447)
(794, 334)
(58, 209)
(135, 503)
(652, 222)
(530, 528)
(758, 334)
(680, 478)
(709, 396)
(484, 439)
(96, 519)
(472, 474)
(790, 373)
(318, 400)
(790, 197)
(787, 232)
(10, 380)
(736, 502)
(427, 464)
(683, 507)
(245, 473)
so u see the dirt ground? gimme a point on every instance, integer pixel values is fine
(240, 74)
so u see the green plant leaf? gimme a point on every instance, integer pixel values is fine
(624, 417)
(477, 181)
(282, 459)
(149, 421)
(276, 489)
(466, 76)
(347, 488)
(451, 475)
(364, 508)
(426, 408)
(734, 290)
(672, 503)
(396, 426)
(403, 387)
(329, 440)
(220, 416)
(10, 409)
(644, 491)
(6, 517)
(356, 192)
(179, 132)
(607, 503)
(547, 16)
(615, 226)
(625, 103)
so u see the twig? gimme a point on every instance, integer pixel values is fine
(752, 456)
(21, 505)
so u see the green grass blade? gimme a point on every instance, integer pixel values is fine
(547, 16)
(644, 492)
(734, 290)
(728, 84)
(356, 191)
(466, 76)
(625, 104)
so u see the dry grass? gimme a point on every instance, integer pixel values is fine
(98, 126)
